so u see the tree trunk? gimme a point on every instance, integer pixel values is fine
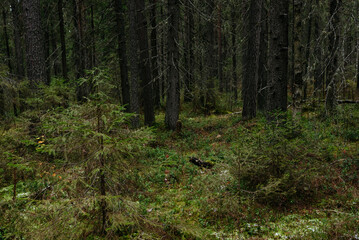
(188, 53)
(7, 95)
(133, 61)
(122, 54)
(54, 51)
(357, 11)
(222, 84)
(234, 84)
(19, 55)
(47, 42)
(34, 39)
(78, 58)
(173, 94)
(191, 45)
(225, 48)
(209, 102)
(6, 36)
(263, 59)
(307, 52)
(93, 41)
(278, 56)
(318, 68)
(251, 60)
(145, 69)
(62, 39)
(163, 58)
(334, 39)
(154, 54)
(297, 91)
(80, 49)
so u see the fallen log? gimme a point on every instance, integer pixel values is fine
(201, 163)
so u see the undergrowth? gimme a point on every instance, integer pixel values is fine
(294, 178)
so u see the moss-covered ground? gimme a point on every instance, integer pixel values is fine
(291, 178)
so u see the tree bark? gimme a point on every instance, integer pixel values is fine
(222, 84)
(7, 95)
(173, 94)
(251, 60)
(163, 58)
(154, 54)
(54, 50)
(133, 61)
(47, 43)
(308, 47)
(234, 84)
(188, 53)
(122, 54)
(34, 39)
(297, 91)
(357, 11)
(93, 40)
(191, 45)
(318, 68)
(80, 49)
(6, 36)
(263, 59)
(62, 39)
(209, 101)
(17, 23)
(145, 69)
(278, 56)
(334, 39)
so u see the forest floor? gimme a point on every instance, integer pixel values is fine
(292, 180)
(288, 179)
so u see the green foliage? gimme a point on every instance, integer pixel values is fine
(282, 162)
(58, 94)
(68, 151)
(305, 166)
(9, 99)
(212, 102)
(351, 134)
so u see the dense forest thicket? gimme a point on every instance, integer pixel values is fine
(190, 119)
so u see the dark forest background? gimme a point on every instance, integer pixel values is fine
(160, 53)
